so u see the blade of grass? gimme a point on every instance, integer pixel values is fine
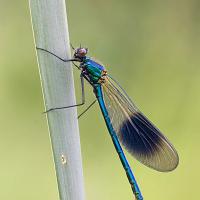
(50, 29)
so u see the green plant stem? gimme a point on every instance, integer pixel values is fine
(50, 29)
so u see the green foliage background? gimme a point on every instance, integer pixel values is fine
(153, 48)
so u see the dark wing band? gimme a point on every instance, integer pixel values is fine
(138, 135)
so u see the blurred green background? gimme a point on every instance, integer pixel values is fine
(153, 48)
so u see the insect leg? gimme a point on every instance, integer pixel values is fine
(76, 65)
(87, 108)
(64, 60)
(76, 105)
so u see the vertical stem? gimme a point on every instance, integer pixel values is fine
(50, 29)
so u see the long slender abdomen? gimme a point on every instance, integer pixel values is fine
(131, 178)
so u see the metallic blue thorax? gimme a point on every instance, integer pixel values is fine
(93, 69)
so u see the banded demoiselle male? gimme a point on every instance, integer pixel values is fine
(125, 123)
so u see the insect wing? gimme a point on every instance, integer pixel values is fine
(137, 134)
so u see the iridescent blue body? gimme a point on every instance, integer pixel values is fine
(117, 145)
(95, 73)
(128, 125)
(125, 123)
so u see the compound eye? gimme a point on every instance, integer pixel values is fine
(82, 51)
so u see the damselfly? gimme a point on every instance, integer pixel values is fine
(125, 123)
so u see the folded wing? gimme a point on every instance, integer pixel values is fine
(137, 134)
